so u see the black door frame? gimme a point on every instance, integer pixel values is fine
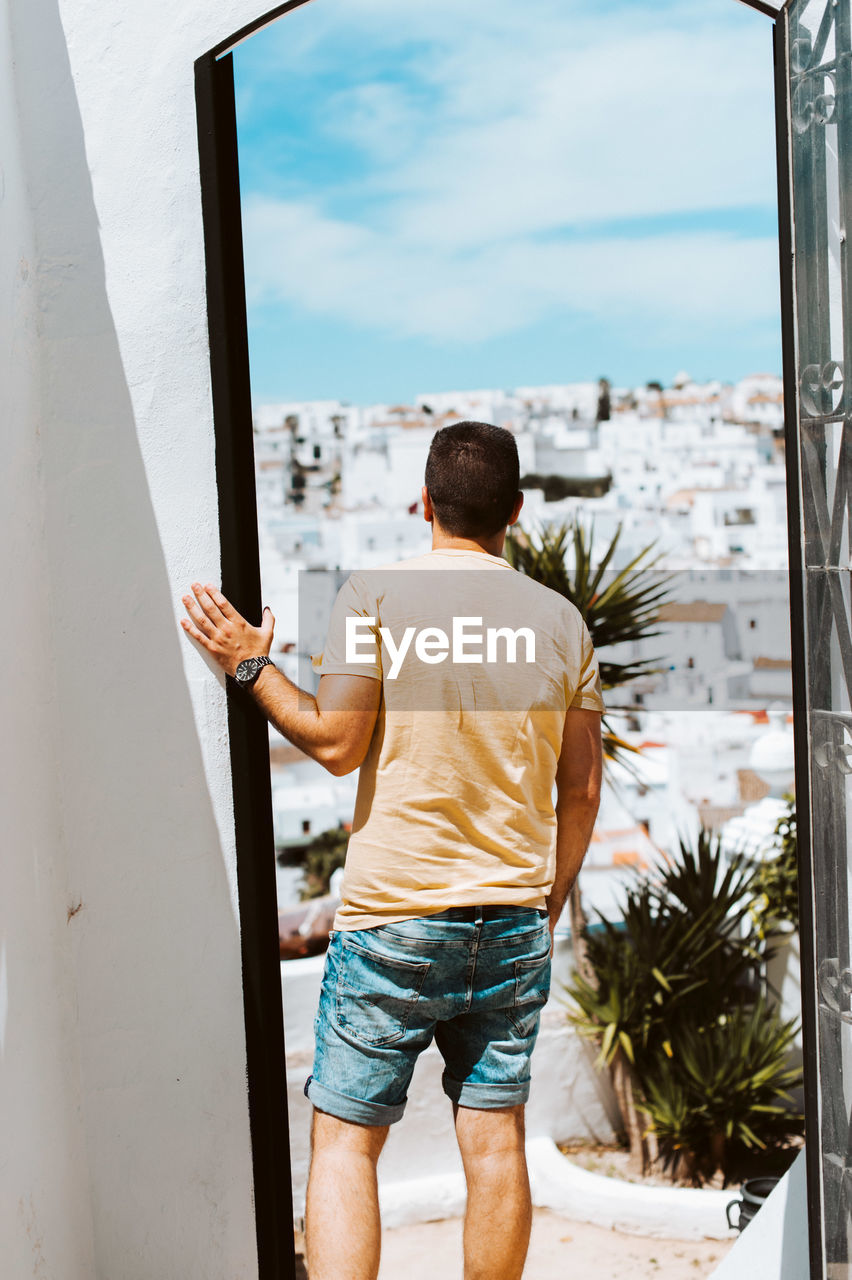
(247, 731)
(234, 450)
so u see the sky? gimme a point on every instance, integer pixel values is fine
(495, 193)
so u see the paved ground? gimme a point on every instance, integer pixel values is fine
(559, 1248)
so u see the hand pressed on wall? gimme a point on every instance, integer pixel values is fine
(224, 633)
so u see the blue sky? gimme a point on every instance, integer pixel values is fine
(467, 194)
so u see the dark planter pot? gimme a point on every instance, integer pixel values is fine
(752, 1193)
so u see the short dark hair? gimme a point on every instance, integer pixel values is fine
(473, 477)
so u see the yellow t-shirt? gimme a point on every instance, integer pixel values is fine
(478, 664)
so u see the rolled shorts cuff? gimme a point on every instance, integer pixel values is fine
(354, 1109)
(485, 1097)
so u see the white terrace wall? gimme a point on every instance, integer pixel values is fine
(125, 1140)
(44, 1193)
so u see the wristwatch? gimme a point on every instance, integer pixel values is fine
(249, 669)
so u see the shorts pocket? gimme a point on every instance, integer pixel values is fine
(532, 987)
(376, 993)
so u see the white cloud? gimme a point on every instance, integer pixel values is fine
(572, 127)
(614, 132)
(353, 273)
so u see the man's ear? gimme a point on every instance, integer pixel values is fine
(428, 513)
(516, 509)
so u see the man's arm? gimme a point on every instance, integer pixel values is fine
(335, 727)
(578, 791)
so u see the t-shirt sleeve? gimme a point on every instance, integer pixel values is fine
(587, 691)
(352, 646)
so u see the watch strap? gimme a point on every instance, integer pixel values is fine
(251, 669)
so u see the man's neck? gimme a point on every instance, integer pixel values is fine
(492, 546)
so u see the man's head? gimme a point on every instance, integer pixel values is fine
(472, 475)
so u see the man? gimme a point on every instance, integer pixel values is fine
(459, 862)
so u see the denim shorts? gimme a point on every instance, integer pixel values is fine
(474, 978)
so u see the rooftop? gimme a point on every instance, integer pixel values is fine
(692, 611)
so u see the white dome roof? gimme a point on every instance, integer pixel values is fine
(752, 832)
(772, 757)
(773, 753)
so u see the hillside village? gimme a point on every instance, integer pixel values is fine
(696, 469)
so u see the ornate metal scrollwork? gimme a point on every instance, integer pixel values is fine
(819, 107)
(821, 388)
(801, 53)
(810, 107)
(833, 747)
(835, 988)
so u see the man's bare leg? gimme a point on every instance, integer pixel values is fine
(342, 1227)
(499, 1210)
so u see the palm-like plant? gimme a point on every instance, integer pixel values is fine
(680, 936)
(716, 894)
(674, 1007)
(618, 605)
(679, 949)
(722, 1085)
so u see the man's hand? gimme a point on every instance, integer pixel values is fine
(335, 727)
(223, 632)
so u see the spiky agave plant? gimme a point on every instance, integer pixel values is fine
(681, 932)
(723, 1084)
(682, 950)
(618, 605)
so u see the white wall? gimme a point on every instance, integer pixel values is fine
(44, 1202)
(774, 1245)
(124, 1116)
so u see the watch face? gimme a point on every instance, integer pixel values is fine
(247, 670)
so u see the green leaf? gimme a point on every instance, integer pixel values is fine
(661, 979)
(608, 1037)
(626, 1045)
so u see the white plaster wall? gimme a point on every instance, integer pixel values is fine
(774, 1245)
(45, 1223)
(125, 1127)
